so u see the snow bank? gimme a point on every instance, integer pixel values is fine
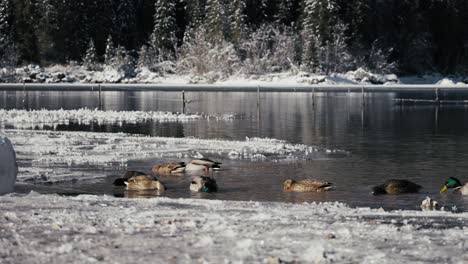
(109, 74)
(87, 116)
(8, 168)
(52, 149)
(53, 229)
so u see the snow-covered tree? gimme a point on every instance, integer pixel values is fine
(195, 12)
(201, 58)
(163, 39)
(125, 23)
(268, 49)
(144, 57)
(8, 54)
(286, 13)
(110, 51)
(214, 21)
(124, 62)
(319, 20)
(338, 58)
(237, 20)
(90, 60)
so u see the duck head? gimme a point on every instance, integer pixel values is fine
(287, 184)
(451, 183)
(160, 186)
(378, 190)
(203, 184)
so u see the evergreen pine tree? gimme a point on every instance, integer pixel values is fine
(25, 35)
(144, 57)
(90, 60)
(287, 12)
(163, 36)
(195, 12)
(237, 20)
(318, 22)
(4, 23)
(8, 54)
(125, 23)
(110, 51)
(214, 22)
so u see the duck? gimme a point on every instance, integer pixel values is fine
(456, 185)
(126, 176)
(202, 165)
(144, 182)
(307, 185)
(169, 168)
(203, 184)
(396, 187)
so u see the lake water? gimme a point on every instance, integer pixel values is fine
(425, 144)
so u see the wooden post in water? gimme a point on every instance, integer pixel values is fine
(183, 102)
(437, 95)
(24, 95)
(362, 92)
(258, 96)
(100, 98)
(313, 96)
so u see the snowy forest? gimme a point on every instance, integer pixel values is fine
(238, 36)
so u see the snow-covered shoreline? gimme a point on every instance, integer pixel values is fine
(49, 228)
(76, 77)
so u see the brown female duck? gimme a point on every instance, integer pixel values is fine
(308, 185)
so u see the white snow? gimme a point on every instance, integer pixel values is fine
(77, 74)
(52, 229)
(8, 168)
(87, 116)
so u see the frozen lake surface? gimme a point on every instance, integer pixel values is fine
(261, 142)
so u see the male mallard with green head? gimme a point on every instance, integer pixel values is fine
(456, 185)
(203, 184)
(307, 185)
(396, 187)
(169, 168)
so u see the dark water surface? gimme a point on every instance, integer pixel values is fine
(425, 144)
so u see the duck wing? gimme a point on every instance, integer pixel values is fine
(126, 176)
(401, 186)
(205, 162)
(316, 183)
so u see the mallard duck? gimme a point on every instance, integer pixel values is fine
(127, 175)
(203, 184)
(202, 165)
(396, 187)
(144, 182)
(168, 168)
(456, 185)
(307, 185)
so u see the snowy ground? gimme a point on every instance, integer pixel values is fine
(51, 229)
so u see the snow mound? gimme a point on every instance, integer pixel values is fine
(363, 76)
(446, 81)
(8, 168)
